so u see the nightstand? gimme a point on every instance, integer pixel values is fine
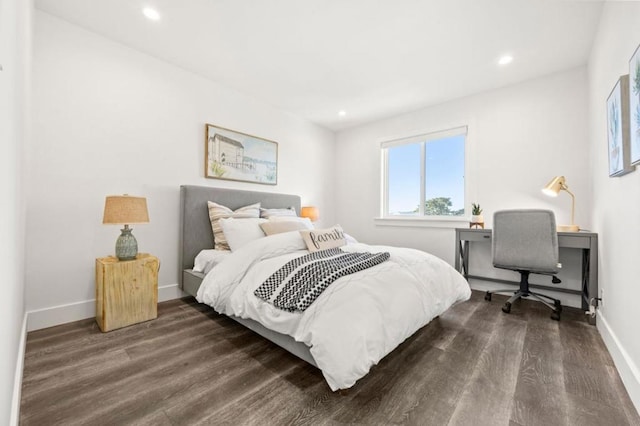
(126, 291)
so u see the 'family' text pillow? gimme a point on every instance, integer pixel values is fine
(322, 239)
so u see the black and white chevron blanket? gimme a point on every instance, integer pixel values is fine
(296, 285)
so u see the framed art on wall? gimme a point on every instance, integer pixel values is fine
(238, 156)
(618, 128)
(634, 106)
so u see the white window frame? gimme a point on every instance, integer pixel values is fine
(420, 219)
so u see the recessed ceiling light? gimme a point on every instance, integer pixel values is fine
(506, 59)
(342, 113)
(151, 13)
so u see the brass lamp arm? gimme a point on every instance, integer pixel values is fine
(573, 201)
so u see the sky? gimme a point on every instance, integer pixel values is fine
(444, 173)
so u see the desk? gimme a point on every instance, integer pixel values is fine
(587, 241)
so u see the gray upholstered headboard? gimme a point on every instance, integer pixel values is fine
(195, 228)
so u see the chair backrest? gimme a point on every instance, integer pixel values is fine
(525, 240)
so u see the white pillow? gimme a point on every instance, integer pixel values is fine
(273, 227)
(207, 259)
(267, 213)
(218, 211)
(239, 232)
(305, 220)
(350, 239)
(322, 239)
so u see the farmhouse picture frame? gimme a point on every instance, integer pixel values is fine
(233, 155)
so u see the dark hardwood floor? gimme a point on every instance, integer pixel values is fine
(472, 366)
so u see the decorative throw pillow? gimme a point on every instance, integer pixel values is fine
(239, 232)
(276, 227)
(268, 213)
(322, 239)
(217, 212)
(304, 220)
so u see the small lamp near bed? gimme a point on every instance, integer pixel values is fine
(125, 210)
(310, 212)
(552, 189)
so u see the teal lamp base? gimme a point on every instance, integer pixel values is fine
(126, 245)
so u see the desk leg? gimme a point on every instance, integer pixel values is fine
(465, 259)
(593, 270)
(590, 277)
(457, 259)
(586, 293)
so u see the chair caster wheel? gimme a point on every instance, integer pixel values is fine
(555, 316)
(506, 308)
(487, 297)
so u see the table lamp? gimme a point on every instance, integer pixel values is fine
(552, 189)
(125, 210)
(311, 212)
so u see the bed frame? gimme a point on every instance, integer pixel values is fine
(196, 235)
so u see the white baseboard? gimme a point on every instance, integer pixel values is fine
(17, 378)
(61, 314)
(170, 292)
(56, 315)
(626, 366)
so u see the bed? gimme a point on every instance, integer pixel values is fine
(318, 344)
(196, 235)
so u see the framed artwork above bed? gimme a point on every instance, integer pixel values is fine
(233, 155)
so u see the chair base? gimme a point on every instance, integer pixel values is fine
(524, 291)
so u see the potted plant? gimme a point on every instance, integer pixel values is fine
(476, 213)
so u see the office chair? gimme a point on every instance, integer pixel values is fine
(526, 241)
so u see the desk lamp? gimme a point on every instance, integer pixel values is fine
(125, 210)
(311, 212)
(552, 189)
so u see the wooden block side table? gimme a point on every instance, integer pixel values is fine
(126, 291)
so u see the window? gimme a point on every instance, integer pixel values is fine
(423, 176)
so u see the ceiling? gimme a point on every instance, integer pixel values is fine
(372, 59)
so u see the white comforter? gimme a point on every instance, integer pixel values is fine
(357, 320)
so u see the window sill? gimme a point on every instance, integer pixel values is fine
(419, 222)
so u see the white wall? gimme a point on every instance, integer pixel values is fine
(15, 56)
(519, 138)
(111, 120)
(616, 201)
